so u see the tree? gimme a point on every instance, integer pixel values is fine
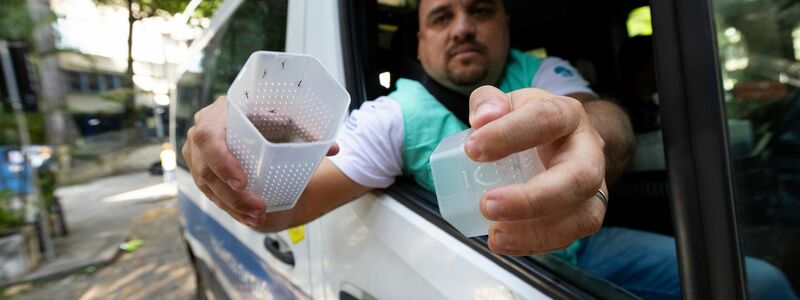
(15, 23)
(52, 89)
(30, 21)
(140, 9)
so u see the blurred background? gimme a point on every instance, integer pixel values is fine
(85, 163)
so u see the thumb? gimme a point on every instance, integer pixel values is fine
(487, 104)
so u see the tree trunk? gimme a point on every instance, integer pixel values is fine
(52, 88)
(129, 117)
(59, 127)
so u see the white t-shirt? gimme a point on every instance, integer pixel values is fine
(371, 140)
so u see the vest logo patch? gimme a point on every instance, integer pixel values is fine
(564, 71)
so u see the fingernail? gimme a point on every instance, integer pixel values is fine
(472, 148)
(492, 208)
(502, 241)
(485, 108)
(235, 185)
(255, 214)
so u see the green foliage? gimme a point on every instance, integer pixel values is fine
(205, 9)
(8, 128)
(15, 22)
(47, 182)
(9, 217)
(118, 95)
(148, 8)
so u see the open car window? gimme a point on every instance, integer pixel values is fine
(380, 47)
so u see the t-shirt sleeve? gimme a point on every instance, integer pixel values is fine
(557, 76)
(370, 144)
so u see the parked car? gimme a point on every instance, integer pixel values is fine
(724, 179)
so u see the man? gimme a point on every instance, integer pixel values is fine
(464, 50)
(463, 46)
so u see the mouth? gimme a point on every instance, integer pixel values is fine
(465, 52)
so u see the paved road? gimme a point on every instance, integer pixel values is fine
(160, 269)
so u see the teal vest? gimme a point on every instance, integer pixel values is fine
(426, 121)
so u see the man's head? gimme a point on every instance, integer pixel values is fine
(463, 44)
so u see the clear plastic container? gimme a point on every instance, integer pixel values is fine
(284, 111)
(460, 182)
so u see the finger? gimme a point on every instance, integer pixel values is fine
(333, 150)
(575, 176)
(239, 217)
(209, 139)
(186, 150)
(487, 104)
(215, 199)
(528, 237)
(241, 201)
(535, 123)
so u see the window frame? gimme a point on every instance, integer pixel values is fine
(696, 149)
(354, 29)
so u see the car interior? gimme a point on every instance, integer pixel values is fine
(591, 36)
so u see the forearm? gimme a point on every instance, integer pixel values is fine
(613, 125)
(327, 190)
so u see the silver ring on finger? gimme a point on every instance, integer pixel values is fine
(603, 198)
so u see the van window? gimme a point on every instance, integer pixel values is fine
(256, 25)
(637, 236)
(758, 44)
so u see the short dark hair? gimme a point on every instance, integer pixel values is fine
(415, 4)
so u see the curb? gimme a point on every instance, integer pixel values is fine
(63, 268)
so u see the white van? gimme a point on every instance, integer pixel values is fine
(393, 243)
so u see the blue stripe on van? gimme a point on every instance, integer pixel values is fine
(248, 274)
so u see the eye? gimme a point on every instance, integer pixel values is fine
(482, 10)
(439, 19)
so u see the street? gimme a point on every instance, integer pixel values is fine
(138, 206)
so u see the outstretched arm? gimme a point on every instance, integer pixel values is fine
(221, 178)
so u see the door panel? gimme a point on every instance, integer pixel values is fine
(390, 252)
(237, 253)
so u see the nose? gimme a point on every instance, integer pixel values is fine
(463, 28)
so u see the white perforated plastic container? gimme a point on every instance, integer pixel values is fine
(284, 111)
(460, 182)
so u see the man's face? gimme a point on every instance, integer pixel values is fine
(463, 44)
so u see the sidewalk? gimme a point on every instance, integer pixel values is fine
(101, 215)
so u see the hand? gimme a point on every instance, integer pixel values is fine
(216, 171)
(557, 206)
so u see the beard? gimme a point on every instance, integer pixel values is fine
(467, 77)
(469, 72)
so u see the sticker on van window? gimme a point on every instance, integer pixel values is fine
(296, 234)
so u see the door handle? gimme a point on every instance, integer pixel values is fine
(351, 292)
(273, 246)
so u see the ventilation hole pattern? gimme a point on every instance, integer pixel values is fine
(284, 183)
(243, 154)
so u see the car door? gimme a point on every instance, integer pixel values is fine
(393, 243)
